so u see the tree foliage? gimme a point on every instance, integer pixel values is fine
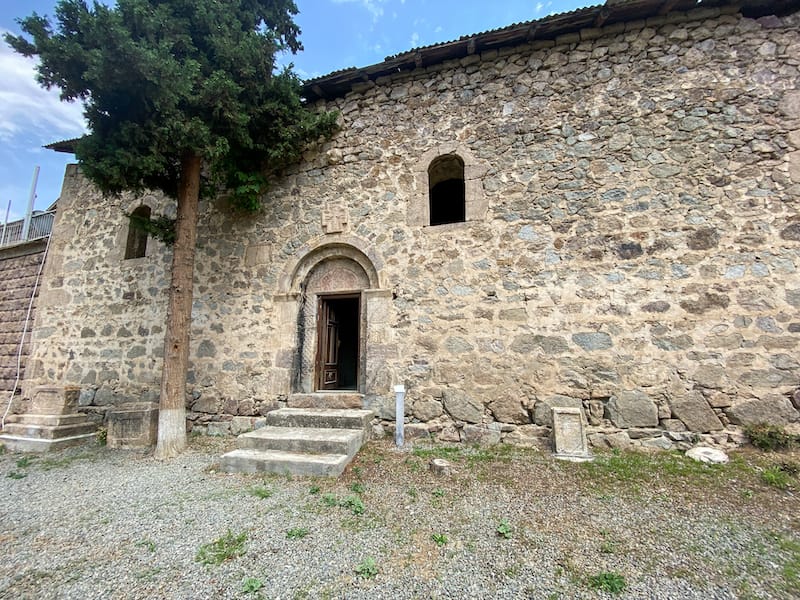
(162, 79)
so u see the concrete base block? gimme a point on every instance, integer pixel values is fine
(133, 425)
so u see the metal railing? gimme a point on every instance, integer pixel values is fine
(40, 227)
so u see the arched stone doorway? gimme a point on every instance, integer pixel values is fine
(332, 324)
(334, 316)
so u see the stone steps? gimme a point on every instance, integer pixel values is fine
(248, 460)
(326, 400)
(301, 441)
(47, 432)
(26, 444)
(309, 440)
(46, 420)
(327, 418)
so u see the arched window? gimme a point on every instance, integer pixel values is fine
(136, 245)
(446, 190)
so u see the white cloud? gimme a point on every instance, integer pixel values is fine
(414, 40)
(374, 7)
(539, 7)
(27, 108)
(438, 29)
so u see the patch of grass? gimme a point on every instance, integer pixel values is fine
(607, 581)
(608, 546)
(412, 492)
(358, 472)
(357, 487)
(438, 493)
(504, 529)
(367, 568)
(776, 477)
(355, 505)
(25, 462)
(770, 437)
(227, 547)
(414, 465)
(297, 533)
(440, 539)
(147, 543)
(16, 475)
(251, 585)
(791, 568)
(314, 489)
(631, 467)
(260, 491)
(446, 452)
(330, 499)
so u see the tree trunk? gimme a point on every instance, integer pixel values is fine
(172, 405)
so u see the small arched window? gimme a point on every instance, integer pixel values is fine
(446, 190)
(136, 245)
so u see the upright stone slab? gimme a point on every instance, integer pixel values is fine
(133, 425)
(569, 434)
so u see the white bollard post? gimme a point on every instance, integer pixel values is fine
(399, 413)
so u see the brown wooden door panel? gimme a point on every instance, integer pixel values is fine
(337, 342)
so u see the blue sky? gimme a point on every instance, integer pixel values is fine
(336, 34)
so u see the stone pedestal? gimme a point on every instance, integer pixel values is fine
(133, 425)
(53, 422)
(569, 434)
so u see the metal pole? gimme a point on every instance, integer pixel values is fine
(399, 414)
(31, 199)
(5, 224)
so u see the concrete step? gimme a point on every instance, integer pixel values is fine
(326, 400)
(48, 432)
(320, 418)
(24, 444)
(247, 460)
(47, 420)
(304, 440)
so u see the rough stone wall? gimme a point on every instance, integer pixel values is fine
(637, 255)
(19, 266)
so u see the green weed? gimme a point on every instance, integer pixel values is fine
(260, 491)
(102, 436)
(225, 548)
(314, 489)
(367, 568)
(440, 539)
(610, 582)
(330, 499)
(776, 477)
(297, 533)
(447, 452)
(149, 544)
(355, 505)
(770, 437)
(16, 475)
(438, 493)
(504, 529)
(357, 487)
(25, 462)
(250, 585)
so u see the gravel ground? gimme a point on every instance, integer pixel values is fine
(99, 523)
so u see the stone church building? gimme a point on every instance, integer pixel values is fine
(597, 209)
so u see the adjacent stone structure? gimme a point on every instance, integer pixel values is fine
(628, 243)
(19, 266)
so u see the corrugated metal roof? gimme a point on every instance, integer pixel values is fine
(550, 27)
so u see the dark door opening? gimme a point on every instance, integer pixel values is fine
(338, 342)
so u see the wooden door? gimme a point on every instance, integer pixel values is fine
(328, 346)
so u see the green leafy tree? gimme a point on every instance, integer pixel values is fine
(179, 96)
